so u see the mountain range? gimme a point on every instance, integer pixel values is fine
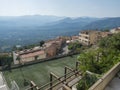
(104, 23)
(24, 30)
(53, 22)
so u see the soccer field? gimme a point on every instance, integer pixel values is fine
(39, 73)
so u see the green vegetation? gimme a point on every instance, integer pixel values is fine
(76, 46)
(86, 81)
(112, 43)
(99, 60)
(39, 73)
(6, 61)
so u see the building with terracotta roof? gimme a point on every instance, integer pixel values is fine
(54, 48)
(28, 55)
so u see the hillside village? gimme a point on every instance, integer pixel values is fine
(59, 45)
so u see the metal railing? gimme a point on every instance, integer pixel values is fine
(58, 81)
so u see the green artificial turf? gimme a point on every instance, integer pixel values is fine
(39, 73)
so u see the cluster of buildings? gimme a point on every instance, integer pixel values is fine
(54, 47)
(91, 37)
(49, 49)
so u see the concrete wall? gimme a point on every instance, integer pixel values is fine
(28, 59)
(3, 84)
(14, 58)
(42, 56)
(104, 81)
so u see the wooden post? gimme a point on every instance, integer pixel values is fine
(77, 63)
(65, 73)
(77, 66)
(31, 85)
(50, 81)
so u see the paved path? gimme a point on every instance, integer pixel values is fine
(114, 84)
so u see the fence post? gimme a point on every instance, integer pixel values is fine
(65, 73)
(77, 63)
(50, 81)
(77, 66)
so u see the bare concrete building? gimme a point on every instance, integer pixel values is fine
(89, 37)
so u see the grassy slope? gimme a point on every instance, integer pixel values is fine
(39, 73)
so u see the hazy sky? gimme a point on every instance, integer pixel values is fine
(72, 8)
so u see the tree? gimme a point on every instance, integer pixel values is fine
(41, 43)
(90, 61)
(6, 61)
(111, 42)
(99, 60)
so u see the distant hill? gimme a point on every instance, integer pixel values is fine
(45, 22)
(104, 23)
(81, 23)
(27, 21)
(69, 23)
